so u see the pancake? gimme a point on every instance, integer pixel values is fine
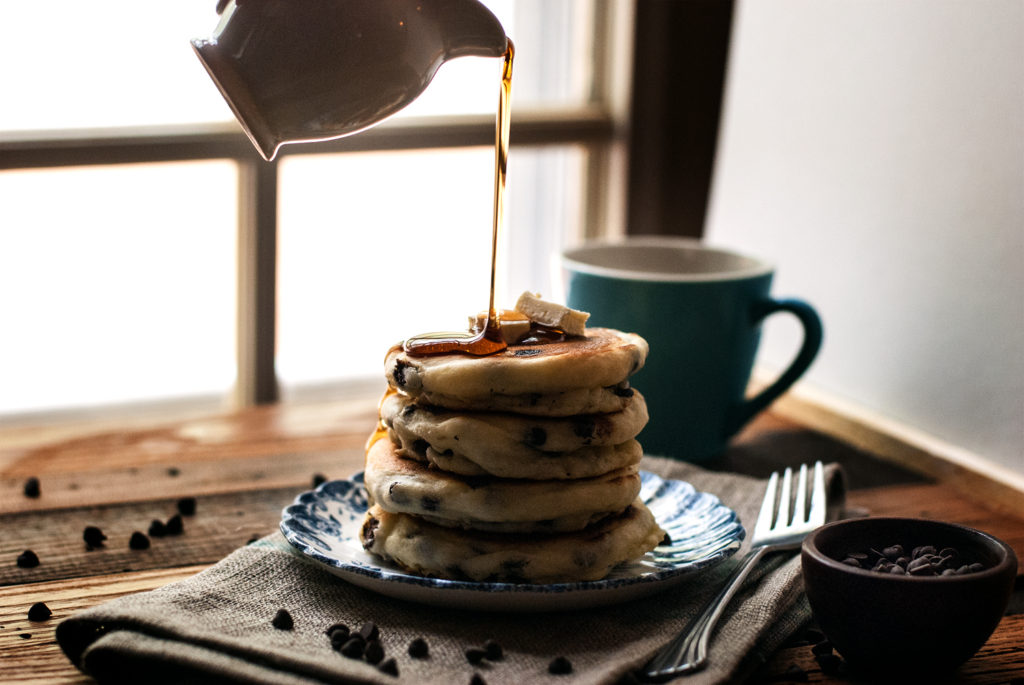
(512, 445)
(405, 486)
(426, 549)
(585, 462)
(543, 374)
(569, 403)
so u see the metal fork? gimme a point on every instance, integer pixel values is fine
(688, 651)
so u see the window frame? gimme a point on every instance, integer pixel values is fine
(636, 140)
(599, 127)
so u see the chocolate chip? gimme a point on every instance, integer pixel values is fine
(493, 651)
(560, 666)
(187, 506)
(374, 652)
(418, 649)
(353, 647)
(923, 560)
(157, 529)
(920, 566)
(893, 552)
(175, 525)
(390, 667)
(337, 629)
(666, 541)
(623, 391)
(282, 620)
(475, 655)
(369, 631)
(24, 636)
(27, 559)
(93, 537)
(174, 472)
(921, 551)
(396, 494)
(369, 531)
(31, 488)
(339, 638)
(319, 479)
(398, 375)
(536, 436)
(583, 426)
(39, 612)
(138, 541)
(477, 679)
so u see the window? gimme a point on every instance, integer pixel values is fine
(146, 253)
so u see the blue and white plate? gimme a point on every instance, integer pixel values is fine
(324, 525)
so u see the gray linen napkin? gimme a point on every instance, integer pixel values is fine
(216, 626)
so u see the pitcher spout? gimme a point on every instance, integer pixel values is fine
(471, 29)
(323, 69)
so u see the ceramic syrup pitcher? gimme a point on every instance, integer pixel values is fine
(298, 71)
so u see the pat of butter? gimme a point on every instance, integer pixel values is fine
(512, 325)
(569, 321)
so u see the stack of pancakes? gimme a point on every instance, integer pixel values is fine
(519, 466)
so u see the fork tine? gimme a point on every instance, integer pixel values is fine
(800, 503)
(764, 517)
(818, 507)
(787, 493)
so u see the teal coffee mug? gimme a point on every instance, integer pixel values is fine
(700, 310)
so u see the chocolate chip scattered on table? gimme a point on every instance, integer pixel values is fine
(39, 612)
(31, 488)
(27, 559)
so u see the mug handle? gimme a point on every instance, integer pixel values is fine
(811, 323)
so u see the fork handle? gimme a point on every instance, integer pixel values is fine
(689, 650)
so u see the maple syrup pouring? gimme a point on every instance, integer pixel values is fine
(488, 340)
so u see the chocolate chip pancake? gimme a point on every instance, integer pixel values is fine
(513, 445)
(580, 374)
(427, 549)
(406, 486)
(585, 462)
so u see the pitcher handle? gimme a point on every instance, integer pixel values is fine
(811, 323)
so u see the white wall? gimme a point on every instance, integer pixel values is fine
(874, 150)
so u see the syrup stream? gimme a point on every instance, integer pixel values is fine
(488, 340)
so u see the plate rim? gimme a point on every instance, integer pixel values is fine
(379, 574)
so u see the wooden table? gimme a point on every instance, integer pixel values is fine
(244, 467)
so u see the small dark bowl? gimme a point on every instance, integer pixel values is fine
(893, 624)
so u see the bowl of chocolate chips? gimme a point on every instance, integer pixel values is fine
(899, 596)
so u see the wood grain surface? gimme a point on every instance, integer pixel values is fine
(243, 468)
